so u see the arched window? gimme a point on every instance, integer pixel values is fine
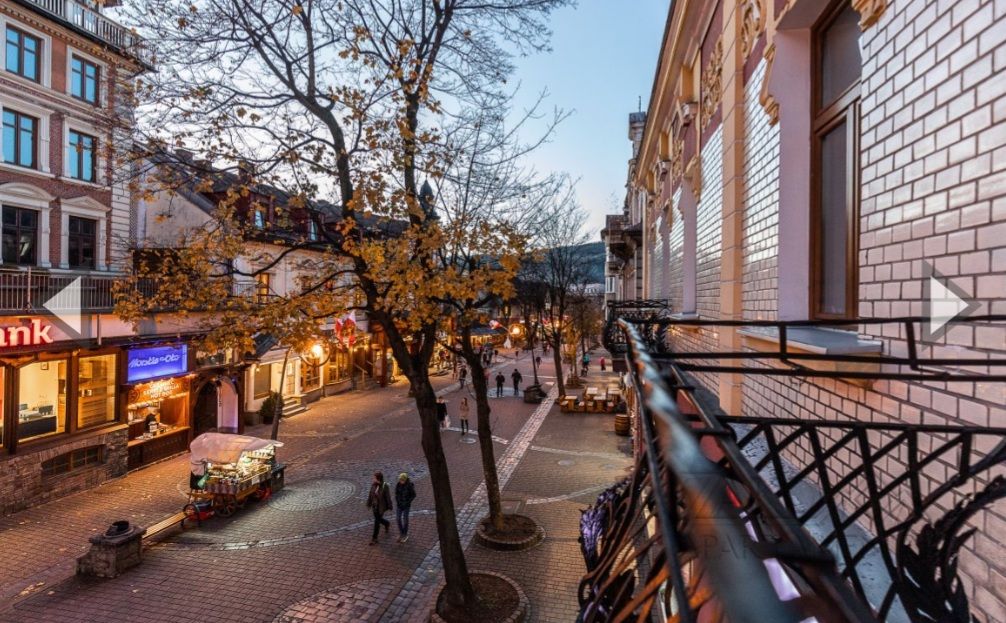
(837, 65)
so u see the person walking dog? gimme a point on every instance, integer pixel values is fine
(463, 414)
(517, 378)
(500, 380)
(405, 492)
(379, 501)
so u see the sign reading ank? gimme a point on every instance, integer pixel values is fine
(156, 362)
(32, 334)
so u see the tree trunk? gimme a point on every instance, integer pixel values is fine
(481, 388)
(557, 358)
(277, 408)
(458, 592)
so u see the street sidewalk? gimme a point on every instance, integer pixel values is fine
(303, 555)
(41, 544)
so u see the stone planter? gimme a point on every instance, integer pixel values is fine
(520, 614)
(483, 538)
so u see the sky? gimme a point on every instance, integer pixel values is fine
(604, 54)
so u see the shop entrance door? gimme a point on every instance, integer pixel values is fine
(205, 412)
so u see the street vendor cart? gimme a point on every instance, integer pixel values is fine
(227, 471)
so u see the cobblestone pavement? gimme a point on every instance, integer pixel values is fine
(303, 555)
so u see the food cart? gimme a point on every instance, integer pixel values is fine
(228, 470)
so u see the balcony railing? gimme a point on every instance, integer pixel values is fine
(84, 16)
(27, 292)
(736, 518)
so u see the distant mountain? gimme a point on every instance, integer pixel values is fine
(593, 253)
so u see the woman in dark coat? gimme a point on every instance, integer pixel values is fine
(379, 501)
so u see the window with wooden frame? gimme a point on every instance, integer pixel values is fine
(23, 54)
(20, 139)
(263, 287)
(19, 240)
(82, 242)
(82, 157)
(310, 375)
(835, 126)
(85, 79)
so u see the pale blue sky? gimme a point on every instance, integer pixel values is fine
(604, 53)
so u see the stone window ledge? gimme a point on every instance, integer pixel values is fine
(686, 316)
(819, 341)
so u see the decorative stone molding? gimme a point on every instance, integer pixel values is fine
(765, 98)
(693, 175)
(752, 24)
(869, 11)
(712, 84)
(677, 157)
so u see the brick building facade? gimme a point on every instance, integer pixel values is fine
(806, 159)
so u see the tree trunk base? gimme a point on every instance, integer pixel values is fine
(519, 533)
(499, 600)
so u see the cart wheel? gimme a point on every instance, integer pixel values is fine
(227, 509)
(191, 517)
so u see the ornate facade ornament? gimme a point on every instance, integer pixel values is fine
(711, 84)
(765, 98)
(752, 24)
(677, 155)
(869, 11)
(693, 175)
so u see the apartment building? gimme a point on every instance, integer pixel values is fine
(86, 397)
(187, 198)
(805, 159)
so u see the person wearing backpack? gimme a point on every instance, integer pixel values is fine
(379, 501)
(405, 492)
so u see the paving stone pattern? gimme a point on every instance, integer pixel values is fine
(304, 555)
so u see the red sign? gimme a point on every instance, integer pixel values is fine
(35, 334)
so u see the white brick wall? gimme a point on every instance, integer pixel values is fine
(761, 205)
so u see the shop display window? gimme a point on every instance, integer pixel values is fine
(41, 399)
(310, 376)
(338, 367)
(263, 380)
(96, 391)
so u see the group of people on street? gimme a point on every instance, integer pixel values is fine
(379, 502)
(501, 380)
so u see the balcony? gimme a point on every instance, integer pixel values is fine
(83, 17)
(26, 292)
(750, 519)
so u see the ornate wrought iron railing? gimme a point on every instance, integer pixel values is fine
(636, 310)
(803, 510)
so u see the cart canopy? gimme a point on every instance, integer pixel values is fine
(223, 448)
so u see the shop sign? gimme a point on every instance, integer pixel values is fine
(33, 334)
(156, 362)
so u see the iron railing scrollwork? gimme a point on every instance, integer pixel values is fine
(645, 312)
(808, 513)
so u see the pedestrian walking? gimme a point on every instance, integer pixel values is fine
(405, 492)
(379, 501)
(463, 414)
(517, 378)
(585, 362)
(500, 380)
(516, 354)
(462, 375)
(537, 361)
(602, 364)
(442, 412)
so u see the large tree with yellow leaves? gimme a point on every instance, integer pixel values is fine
(351, 101)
